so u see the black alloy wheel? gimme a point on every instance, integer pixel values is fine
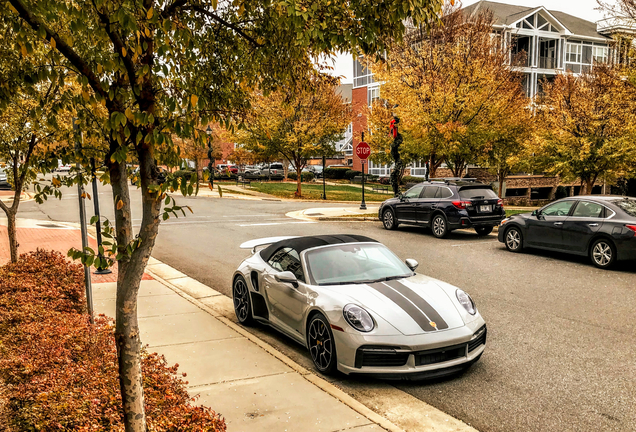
(483, 231)
(513, 239)
(321, 344)
(603, 253)
(439, 226)
(241, 298)
(388, 220)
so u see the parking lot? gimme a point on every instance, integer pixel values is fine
(560, 352)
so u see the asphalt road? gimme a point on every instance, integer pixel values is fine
(561, 333)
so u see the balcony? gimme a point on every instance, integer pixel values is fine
(547, 62)
(609, 26)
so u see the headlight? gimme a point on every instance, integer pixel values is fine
(466, 301)
(358, 318)
(504, 221)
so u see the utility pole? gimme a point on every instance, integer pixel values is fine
(98, 224)
(82, 211)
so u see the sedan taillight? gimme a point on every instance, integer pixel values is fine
(462, 204)
(631, 227)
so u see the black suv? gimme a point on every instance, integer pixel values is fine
(444, 206)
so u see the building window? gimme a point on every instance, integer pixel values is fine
(600, 54)
(379, 170)
(418, 169)
(573, 53)
(580, 57)
(362, 74)
(373, 93)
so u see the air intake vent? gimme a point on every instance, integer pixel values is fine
(254, 278)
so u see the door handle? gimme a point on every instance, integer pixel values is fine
(593, 224)
(558, 223)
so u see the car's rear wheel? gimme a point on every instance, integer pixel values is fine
(603, 253)
(322, 347)
(388, 220)
(514, 239)
(242, 304)
(439, 226)
(483, 231)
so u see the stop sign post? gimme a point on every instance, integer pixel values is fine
(363, 151)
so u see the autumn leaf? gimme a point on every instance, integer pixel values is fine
(120, 204)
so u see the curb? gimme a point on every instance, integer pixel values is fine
(324, 385)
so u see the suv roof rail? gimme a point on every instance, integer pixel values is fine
(452, 179)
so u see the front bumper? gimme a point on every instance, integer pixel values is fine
(412, 357)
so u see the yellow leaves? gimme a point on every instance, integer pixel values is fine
(147, 32)
(150, 13)
(23, 50)
(13, 9)
(85, 95)
(123, 51)
(129, 114)
(120, 204)
(100, 69)
(194, 99)
(56, 182)
(53, 44)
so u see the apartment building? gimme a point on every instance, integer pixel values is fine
(554, 42)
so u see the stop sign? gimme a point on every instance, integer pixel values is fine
(363, 150)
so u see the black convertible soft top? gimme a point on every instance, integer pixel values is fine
(302, 243)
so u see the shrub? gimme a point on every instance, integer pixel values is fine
(335, 173)
(561, 192)
(371, 178)
(411, 179)
(59, 372)
(350, 174)
(304, 177)
(186, 173)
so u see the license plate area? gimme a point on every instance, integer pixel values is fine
(485, 208)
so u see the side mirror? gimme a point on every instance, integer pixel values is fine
(535, 213)
(286, 277)
(412, 264)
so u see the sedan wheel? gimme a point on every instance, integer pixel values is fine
(321, 345)
(603, 254)
(439, 226)
(514, 240)
(388, 220)
(241, 298)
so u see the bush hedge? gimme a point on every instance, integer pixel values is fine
(336, 173)
(306, 176)
(59, 372)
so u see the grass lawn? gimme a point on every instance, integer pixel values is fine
(314, 191)
(510, 212)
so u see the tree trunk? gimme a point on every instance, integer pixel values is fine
(299, 173)
(13, 239)
(501, 177)
(129, 276)
(589, 185)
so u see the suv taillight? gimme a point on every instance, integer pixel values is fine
(499, 202)
(462, 204)
(631, 227)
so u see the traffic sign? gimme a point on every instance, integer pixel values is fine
(363, 150)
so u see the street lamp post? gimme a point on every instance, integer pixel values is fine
(208, 131)
(324, 185)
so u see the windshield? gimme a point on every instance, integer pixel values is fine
(627, 205)
(354, 263)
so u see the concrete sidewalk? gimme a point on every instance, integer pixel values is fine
(352, 213)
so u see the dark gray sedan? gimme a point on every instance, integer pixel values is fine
(601, 227)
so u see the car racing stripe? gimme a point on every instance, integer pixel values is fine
(418, 301)
(407, 306)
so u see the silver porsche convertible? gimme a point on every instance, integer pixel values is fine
(357, 307)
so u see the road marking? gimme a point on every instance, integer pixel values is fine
(474, 242)
(276, 223)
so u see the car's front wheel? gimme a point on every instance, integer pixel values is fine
(439, 226)
(322, 347)
(514, 239)
(603, 253)
(483, 231)
(388, 220)
(241, 298)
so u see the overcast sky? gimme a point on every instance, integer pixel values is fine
(586, 9)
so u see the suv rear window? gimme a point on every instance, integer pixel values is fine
(627, 205)
(483, 193)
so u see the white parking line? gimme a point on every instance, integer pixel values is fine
(276, 223)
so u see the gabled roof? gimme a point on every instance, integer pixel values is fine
(506, 14)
